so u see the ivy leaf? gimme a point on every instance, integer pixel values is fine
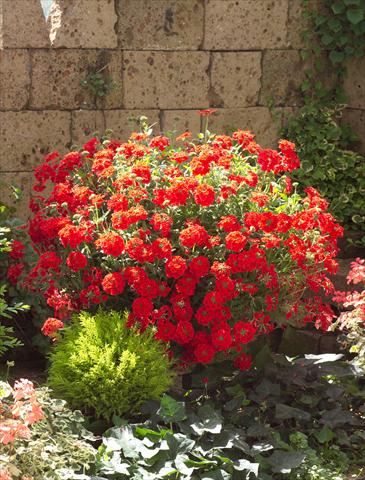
(355, 15)
(336, 417)
(123, 439)
(234, 404)
(327, 39)
(284, 412)
(166, 470)
(324, 435)
(304, 54)
(118, 421)
(179, 443)
(333, 392)
(171, 410)
(235, 390)
(305, 86)
(262, 447)
(257, 430)
(336, 56)
(180, 463)
(249, 467)
(210, 418)
(338, 7)
(351, 2)
(151, 434)
(148, 453)
(284, 462)
(224, 440)
(242, 445)
(143, 474)
(262, 357)
(335, 25)
(266, 389)
(114, 464)
(319, 20)
(310, 400)
(342, 40)
(202, 463)
(216, 475)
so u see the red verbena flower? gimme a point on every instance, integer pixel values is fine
(110, 243)
(204, 353)
(175, 267)
(51, 326)
(204, 195)
(76, 261)
(113, 283)
(243, 362)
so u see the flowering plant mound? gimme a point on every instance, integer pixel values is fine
(206, 241)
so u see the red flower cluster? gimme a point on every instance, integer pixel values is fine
(51, 326)
(13, 261)
(205, 243)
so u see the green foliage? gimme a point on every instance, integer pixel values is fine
(327, 164)
(338, 27)
(7, 340)
(58, 449)
(99, 83)
(292, 422)
(336, 31)
(102, 365)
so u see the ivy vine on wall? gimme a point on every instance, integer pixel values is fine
(335, 34)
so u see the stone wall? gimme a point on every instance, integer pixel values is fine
(167, 59)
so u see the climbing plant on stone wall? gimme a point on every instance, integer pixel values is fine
(335, 34)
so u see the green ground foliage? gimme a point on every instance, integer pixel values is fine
(297, 419)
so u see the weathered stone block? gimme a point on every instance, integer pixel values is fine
(354, 83)
(166, 79)
(57, 77)
(356, 118)
(298, 24)
(124, 122)
(26, 136)
(161, 24)
(282, 75)
(256, 119)
(235, 79)
(83, 24)
(85, 123)
(14, 79)
(245, 24)
(181, 121)
(20, 180)
(22, 24)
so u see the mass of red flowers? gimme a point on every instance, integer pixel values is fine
(205, 242)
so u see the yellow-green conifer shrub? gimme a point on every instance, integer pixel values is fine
(100, 364)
